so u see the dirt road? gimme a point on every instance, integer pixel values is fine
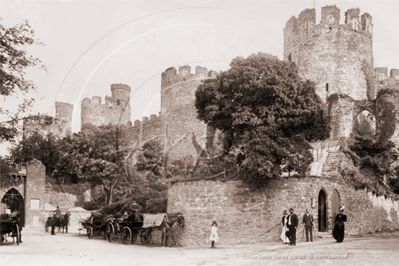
(71, 249)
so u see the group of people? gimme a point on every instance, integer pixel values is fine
(290, 225)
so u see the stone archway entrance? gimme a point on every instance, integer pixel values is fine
(322, 217)
(15, 202)
(336, 202)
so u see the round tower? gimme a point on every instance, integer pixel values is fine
(333, 55)
(63, 113)
(329, 53)
(183, 134)
(121, 92)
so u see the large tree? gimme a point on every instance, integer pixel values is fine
(99, 155)
(14, 60)
(262, 103)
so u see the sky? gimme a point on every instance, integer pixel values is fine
(89, 45)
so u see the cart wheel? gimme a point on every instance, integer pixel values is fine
(90, 232)
(17, 233)
(145, 239)
(134, 236)
(126, 235)
(110, 232)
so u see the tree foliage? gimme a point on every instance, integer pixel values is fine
(262, 103)
(14, 60)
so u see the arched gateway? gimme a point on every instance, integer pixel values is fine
(25, 193)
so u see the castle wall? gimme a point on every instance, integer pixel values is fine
(329, 52)
(247, 214)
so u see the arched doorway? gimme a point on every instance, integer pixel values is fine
(15, 202)
(336, 202)
(322, 217)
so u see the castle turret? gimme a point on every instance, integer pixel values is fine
(183, 134)
(121, 92)
(331, 54)
(63, 113)
(115, 110)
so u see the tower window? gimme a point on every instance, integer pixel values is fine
(118, 102)
(326, 86)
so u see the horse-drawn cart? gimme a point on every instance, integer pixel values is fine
(126, 228)
(10, 225)
(129, 228)
(96, 225)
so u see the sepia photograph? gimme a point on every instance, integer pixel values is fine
(199, 132)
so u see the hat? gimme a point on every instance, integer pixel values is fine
(291, 209)
(342, 208)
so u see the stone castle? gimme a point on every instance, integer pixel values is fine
(339, 59)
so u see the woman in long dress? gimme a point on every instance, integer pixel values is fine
(214, 234)
(339, 227)
(285, 229)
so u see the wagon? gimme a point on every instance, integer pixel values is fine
(127, 229)
(10, 225)
(96, 225)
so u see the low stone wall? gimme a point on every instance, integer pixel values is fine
(247, 213)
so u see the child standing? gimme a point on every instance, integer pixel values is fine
(214, 234)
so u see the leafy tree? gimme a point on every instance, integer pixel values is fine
(14, 60)
(151, 158)
(98, 155)
(263, 104)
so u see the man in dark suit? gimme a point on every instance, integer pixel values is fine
(308, 222)
(292, 223)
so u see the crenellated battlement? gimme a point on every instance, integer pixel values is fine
(330, 18)
(170, 76)
(153, 118)
(381, 73)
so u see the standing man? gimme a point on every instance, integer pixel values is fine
(308, 223)
(240, 159)
(292, 223)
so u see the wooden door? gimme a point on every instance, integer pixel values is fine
(322, 217)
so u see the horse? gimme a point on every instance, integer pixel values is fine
(60, 222)
(64, 220)
(168, 221)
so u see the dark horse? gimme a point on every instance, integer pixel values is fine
(60, 222)
(168, 221)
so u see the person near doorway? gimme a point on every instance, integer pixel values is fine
(283, 236)
(308, 223)
(292, 224)
(339, 227)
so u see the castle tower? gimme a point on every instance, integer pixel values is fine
(183, 134)
(115, 110)
(63, 113)
(331, 54)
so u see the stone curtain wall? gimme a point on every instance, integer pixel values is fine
(246, 214)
